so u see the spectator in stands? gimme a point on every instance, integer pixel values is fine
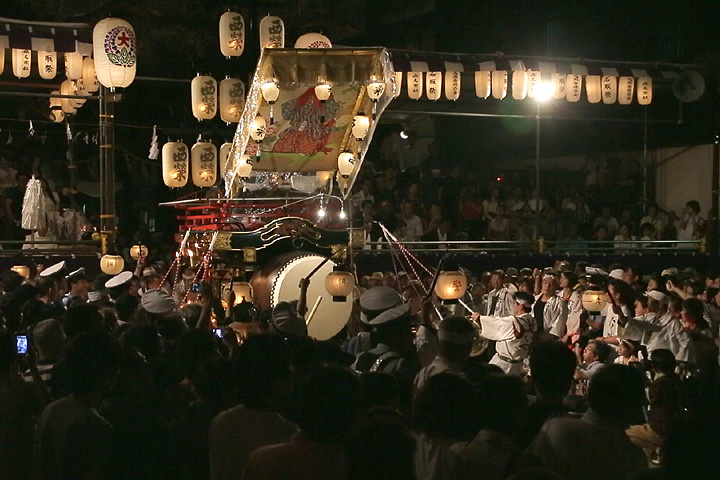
(411, 229)
(655, 219)
(490, 204)
(606, 218)
(499, 226)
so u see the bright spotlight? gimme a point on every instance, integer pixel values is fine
(342, 215)
(321, 212)
(403, 135)
(543, 91)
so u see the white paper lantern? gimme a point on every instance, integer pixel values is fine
(573, 88)
(139, 251)
(56, 113)
(593, 88)
(77, 90)
(519, 84)
(204, 164)
(360, 126)
(67, 104)
(398, 84)
(47, 65)
(232, 99)
(451, 286)
(244, 168)
(452, 85)
(609, 89)
(323, 91)
(644, 90)
(415, 85)
(482, 84)
(112, 264)
(2, 60)
(22, 270)
(313, 40)
(346, 164)
(626, 90)
(270, 92)
(175, 164)
(499, 84)
(115, 54)
(595, 300)
(224, 155)
(375, 90)
(204, 97)
(534, 78)
(339, 284)
(559, 85)
(73, 65)
(433, 85)
(272, 32)
(232, 34)
(258, 128)
(89, 78)
(21, 62)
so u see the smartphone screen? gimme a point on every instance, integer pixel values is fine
(218, 332)
(22, 344)
(195, 288)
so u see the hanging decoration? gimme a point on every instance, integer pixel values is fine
(573, 88)
(232, 99)
(644, 90)
(593, 88)
(609, 88)
(154, 150)
(534, 79)
(33, 207)
(360, 126)
(67, 88)
(73, 65)
(257, 132)
(272, 32)
(433, 85)
(232, 34)
(56, 112)
(558, 81)
(482, 84)
(114, 51)
(398, 84)
(270, 92)
(2, 60)
(175, 164)
(244, 168)
(31, 129)
(224, 153)
(339, 284)
(451, 286)
(626, 90)
(112, 264)
(204, 164)
(415, 85)
(346, 163)
(204, 97)
(47, 65)
(89, 78)
(452, 85)
(375, 91)
(313, 40)
(499, 84)
(21, 62)
(139, 251)
(519, 84)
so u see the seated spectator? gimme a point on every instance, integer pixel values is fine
(490, 205)
(499, 225)
(601, 237)
(592, 360)
(624, 235)
(606, 219)
(596, 447)
(691, 224)
(654, 218)
(411, 228)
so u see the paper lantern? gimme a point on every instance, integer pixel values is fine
(258, 129)
(433, 85)
(313, 40)
(343, 182)
(499, 84)
(544, 91)
(534, 78)
(626, 90)
(415, 85)
(244, 168)
(224, 155)
(114, 51)
(593, 88)
(558, 81)
(346, 164)
(21, 62)
(77, 90)
(232, 99)
(22, 270)
(175, 164)
(594, 300)
(573, 88)
(270, 92)
(375, 91)
(452, 85)
(324, 176)
(360, 126)
(138, 251)
(232, 34)
(73, 65)
(519, 84)
(47, 65)
(272, 32)
(243, 291)
(398, 84)
(2, 60)
(482, 84)
(451, 286)
(323, 92)
(112, 264)
(56, 113)
(67, 88)
(204, 97)
(609, 89)
(204, 164)
(89, 78)
(644, 90)
(339, 284)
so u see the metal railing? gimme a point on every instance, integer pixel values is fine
(49, 248)
(570, 247)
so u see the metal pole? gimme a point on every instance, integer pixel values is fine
(537, 171)
(107, 166)
(645, 161)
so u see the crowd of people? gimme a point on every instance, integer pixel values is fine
(420, 198)
(574, 371)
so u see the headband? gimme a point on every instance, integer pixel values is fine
(455, 337)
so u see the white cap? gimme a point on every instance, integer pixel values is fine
(56, 270)
(119, 279)
(148, 271)
(617, 274)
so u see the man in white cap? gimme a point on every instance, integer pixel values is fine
(119, 284)
(455, 340)
(373, 302)
(57, 272)
(513, 333)
(648, 320)
(158, 303)
(79, 284)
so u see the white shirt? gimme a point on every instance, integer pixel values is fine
(437, 366)
(554, 316)
(514, 335)
(611, 326)
(413, 229)
(673, 337)
(504, 305)
(575, 310)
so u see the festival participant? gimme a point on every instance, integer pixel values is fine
(572, 296)
(513, 333)
(500, 302)
(373, 302)
(550, 311)
(669, 333)
(79, 285)
(592, 361)
(49, 341)
(617, 312)
(628, 351)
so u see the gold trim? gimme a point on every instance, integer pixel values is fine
(222, 242)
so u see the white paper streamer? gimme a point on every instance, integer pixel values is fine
(33, 209)
(154, 151)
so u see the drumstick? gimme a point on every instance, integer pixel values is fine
(466, 307)
(314, 309)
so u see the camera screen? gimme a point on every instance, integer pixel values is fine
(218, 332)
(22, 344)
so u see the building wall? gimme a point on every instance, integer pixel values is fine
(683, 174)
